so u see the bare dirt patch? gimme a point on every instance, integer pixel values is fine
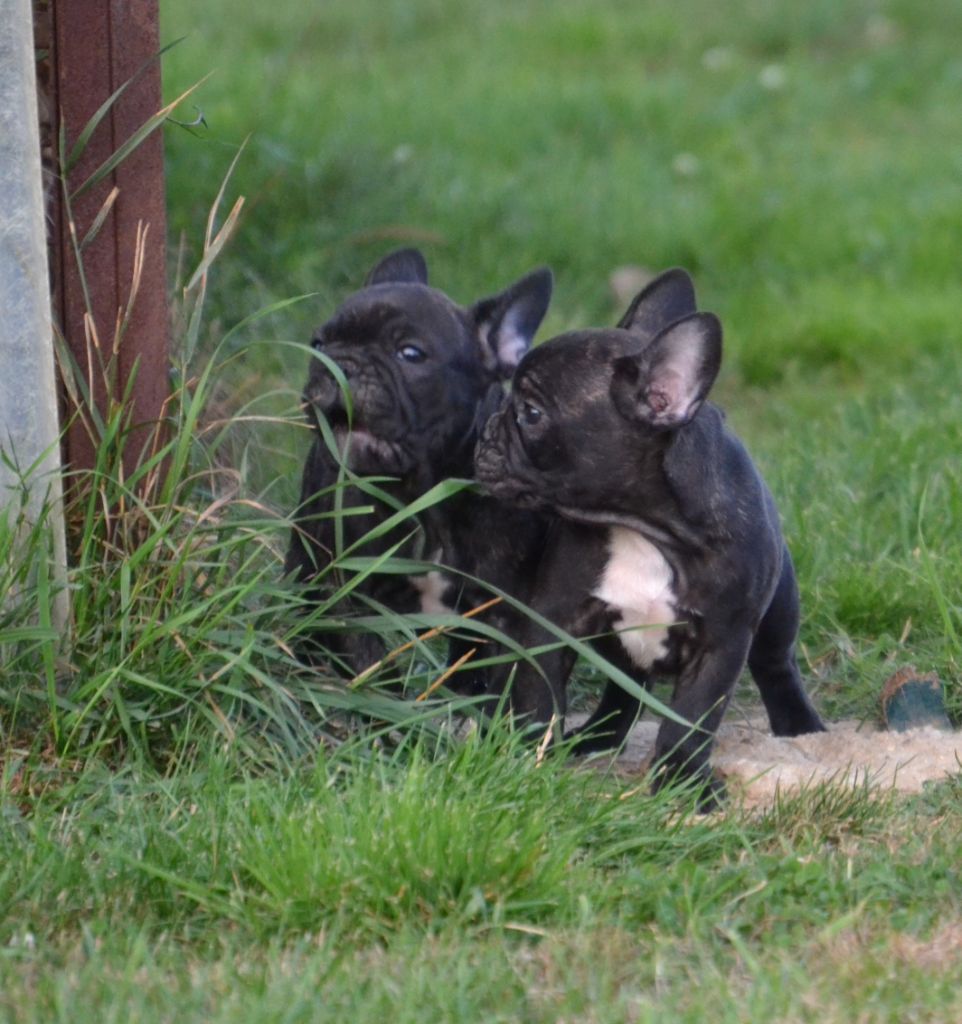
(758, 764)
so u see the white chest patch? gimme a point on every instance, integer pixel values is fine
(432, 587)
(637, 581)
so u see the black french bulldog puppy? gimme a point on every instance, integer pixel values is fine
(669, 541)
(423, 374)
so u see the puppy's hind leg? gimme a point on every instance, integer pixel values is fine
(773, 665)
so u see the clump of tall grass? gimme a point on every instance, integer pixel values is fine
(182, 629)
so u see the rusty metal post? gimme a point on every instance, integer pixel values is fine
(96, 46)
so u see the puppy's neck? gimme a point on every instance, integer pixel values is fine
(644, 495)
(666, 532)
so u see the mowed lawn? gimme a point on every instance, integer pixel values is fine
(804, 162)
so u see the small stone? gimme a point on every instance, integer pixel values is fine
(911, 699)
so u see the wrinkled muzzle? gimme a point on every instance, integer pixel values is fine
(488, 452)
(372, 439)
(323, 394)
(502, 466)
(493, 461)
(324, 389)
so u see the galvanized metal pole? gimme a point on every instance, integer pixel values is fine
(29, 428)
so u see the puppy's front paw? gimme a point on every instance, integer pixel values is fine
(796, 722)
(704, 784)
(592, 741)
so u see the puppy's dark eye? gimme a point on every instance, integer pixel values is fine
(529, 414)
(410, 354)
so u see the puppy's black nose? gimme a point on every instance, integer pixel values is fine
(318, 340)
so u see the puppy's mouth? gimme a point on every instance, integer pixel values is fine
(336, 417)
(357, 445)
(513, 492)
(492, 471)
(339, 421)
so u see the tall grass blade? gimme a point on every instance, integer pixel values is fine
(124, 150)
(98, 221)
(78, 148)
(200, 280)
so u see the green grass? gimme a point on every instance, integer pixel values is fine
(193, 827)
(478, 886)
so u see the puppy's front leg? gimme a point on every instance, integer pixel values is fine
(617, 711)
(538, 691)
(566, 574)
(702, 691)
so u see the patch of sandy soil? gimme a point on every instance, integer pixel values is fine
(756, 763)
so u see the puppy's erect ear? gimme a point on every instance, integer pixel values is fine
(404, 266)
(507, 322)
(665, 385)
(661, 302)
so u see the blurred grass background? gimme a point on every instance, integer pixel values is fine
(803, 161)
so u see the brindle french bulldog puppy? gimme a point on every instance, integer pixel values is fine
(668, 539)
(423, 373)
